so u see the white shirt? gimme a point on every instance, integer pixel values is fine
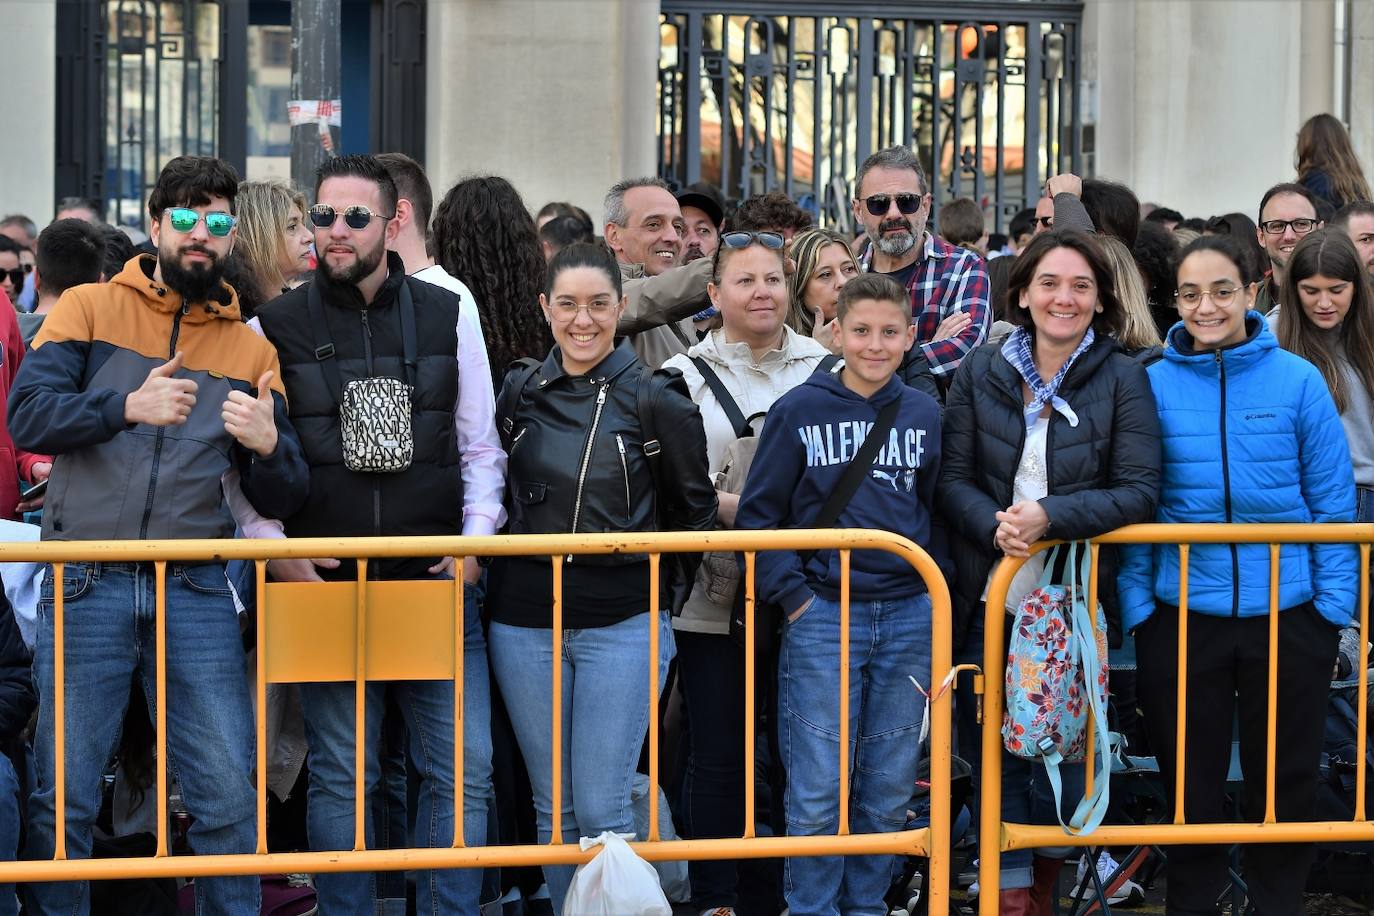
(1031, 483)
(481, 458)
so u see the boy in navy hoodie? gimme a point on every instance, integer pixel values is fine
(808, 440)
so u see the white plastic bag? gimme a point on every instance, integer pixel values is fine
(615, 883)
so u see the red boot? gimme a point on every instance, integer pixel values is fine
(1044, 889)
(1014, 902)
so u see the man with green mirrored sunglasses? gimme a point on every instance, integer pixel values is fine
(152, 395)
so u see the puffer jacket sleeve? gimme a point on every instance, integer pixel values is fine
(963, 503)
(915, 373)
(1132, 491)
(1328, 488)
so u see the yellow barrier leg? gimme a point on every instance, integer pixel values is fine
(1272, 727)
(260, 686)
(1181, 733)
(654, 623)
(844, 693)
(360, 715)
(160, 691)
(59, 670)
(556, 835)
(750, 712)
(459, 637)
(1362, 735)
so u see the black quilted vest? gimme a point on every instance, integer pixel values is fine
(426, 498)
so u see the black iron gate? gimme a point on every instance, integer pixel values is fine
(758, 95)
(153, 75)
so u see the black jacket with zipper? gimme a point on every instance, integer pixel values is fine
(427, 497)
(577, 461)
(1103, 473)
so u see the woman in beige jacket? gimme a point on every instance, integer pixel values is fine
(756, 359)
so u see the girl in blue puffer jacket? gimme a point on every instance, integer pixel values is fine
(1250, 434)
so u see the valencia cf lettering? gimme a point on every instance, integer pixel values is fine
(831, 444)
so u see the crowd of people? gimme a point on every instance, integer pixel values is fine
(362, 361)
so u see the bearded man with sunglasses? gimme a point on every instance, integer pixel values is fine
(892, 203)
(149, 390)
(372, 362)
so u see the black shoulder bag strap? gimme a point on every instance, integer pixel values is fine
(324, 341)
(855, 472)
(408, 346)
(828, 362)
(521, 372)
(648, 431)
(723, 397)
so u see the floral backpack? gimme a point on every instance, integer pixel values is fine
(1056, 675)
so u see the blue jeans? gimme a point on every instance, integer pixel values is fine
(1028, 799)
(888, 641)
(9, 830)
(605, 706)
(110, 641)
(427, 707)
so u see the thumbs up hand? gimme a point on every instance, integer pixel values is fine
(250, 419)
(161, 400)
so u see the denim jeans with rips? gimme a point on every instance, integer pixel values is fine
(427, 708)
(110, 641)
(889, 641)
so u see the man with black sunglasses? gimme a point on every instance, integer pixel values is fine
(149, 390)
(374, 361)
(892, 203)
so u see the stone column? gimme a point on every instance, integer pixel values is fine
(28, 105)
(558, 96)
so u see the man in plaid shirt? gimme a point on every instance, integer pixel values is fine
(948, 286)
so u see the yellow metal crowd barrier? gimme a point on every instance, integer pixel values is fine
(997, 837)
(366, 630)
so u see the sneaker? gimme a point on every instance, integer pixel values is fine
(968, 876)
(1128, 893)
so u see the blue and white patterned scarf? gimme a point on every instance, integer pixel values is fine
(1017, 350)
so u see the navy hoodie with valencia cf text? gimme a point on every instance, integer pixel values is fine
(811, 434)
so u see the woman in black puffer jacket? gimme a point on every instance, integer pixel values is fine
(1052, 434)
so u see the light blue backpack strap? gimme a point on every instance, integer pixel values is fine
(1092, 809)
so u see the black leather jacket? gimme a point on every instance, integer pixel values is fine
(577, 460)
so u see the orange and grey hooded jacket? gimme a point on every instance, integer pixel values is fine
(115, 480)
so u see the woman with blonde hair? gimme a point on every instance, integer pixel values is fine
(1138, 333)
(273, 240)
(1327, 165)
(825, 263)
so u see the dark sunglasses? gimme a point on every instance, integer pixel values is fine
(322, 216)
(878, 204)
(16, 277)
(1046, 222)
(744, 239)
(184, 219)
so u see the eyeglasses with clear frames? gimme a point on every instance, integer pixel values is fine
(599, 310)
(1222, 297)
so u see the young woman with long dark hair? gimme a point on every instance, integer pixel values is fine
(484, 236)
(1330, 323)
